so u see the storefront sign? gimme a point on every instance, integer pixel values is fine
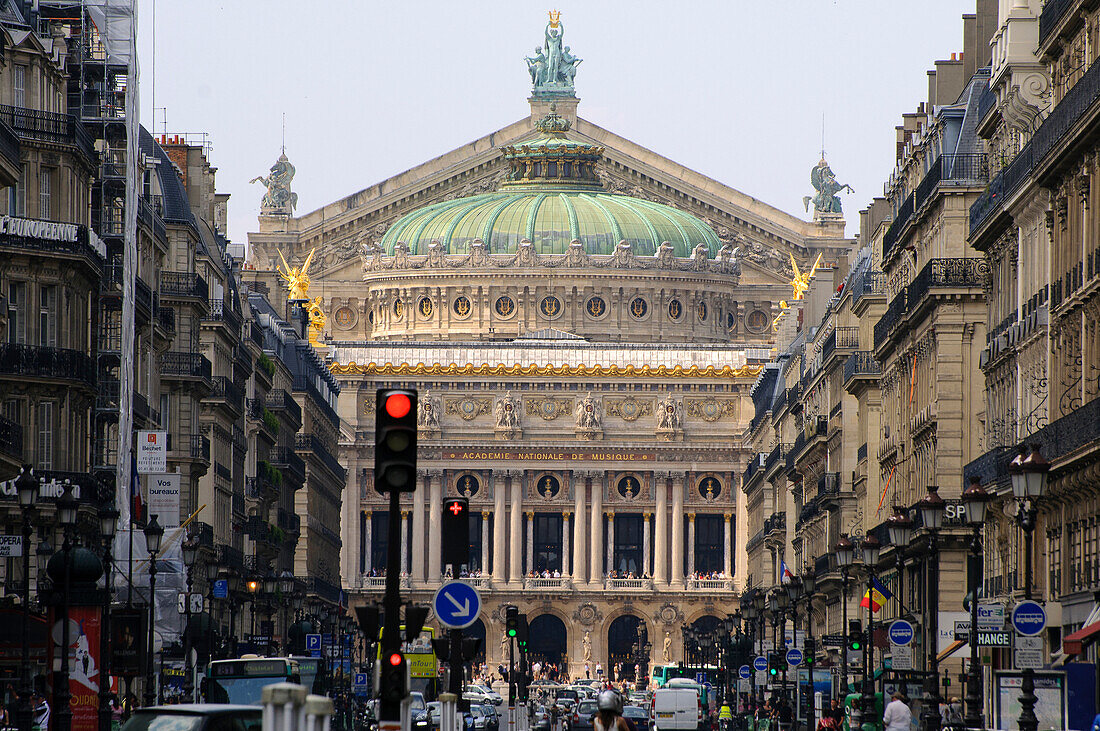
(11, 546)
(32, 229)
(152, 452)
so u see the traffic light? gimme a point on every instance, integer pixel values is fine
(456, 531)
(414, 621)
(511, 621)
(368, 617)
(855, 635)
(394, 677)
(395, 440)
(521, 632)
(775, 663)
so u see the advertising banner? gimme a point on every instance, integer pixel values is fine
(164, 498)
(128, 642)
(83, 663)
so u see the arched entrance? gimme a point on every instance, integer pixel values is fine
(547, 639)
(477, 629)
(706, 624)
(621, 636)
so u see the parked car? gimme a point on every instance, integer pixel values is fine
(492, 695)
(196, 717)
(639, 715)
(540, 719)
(582, 715)
(492, 716)
(426, 718)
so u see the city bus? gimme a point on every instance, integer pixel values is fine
(242, 681)
(309, 668)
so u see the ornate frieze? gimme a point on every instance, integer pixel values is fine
(711, 409)
(629, 408)
(468, 407)
(548, 408)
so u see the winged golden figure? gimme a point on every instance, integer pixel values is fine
(297, 278)
(801, 282)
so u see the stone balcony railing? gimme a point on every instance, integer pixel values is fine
(709, 584)
(628, 584)
(553, 583)
(481, 582)
(379, 582)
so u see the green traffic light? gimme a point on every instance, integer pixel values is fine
(511, 633)
(855, 645)
(774, 671)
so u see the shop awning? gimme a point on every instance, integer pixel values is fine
(951, 650)
(1075, 643)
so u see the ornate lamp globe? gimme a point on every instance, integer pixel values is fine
(871, 548)
(27, 487)
(783, 599)
(270, 584)
(190, 551)
(758, 601)
(67, 506)
(42, 557)
(793, 586)
(153, 535)
(286, 583)
(809, 582)
(1036, 473)
(212, 570)
(108, 522)
(976, 500)
(845, 552)
(1016, 472)
(773, 601)
(900, 527)
(931, 509)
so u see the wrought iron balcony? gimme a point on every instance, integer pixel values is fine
(185, 365)
(986, 102)
(896, 310)
(288, 521)
(947, 273)
(868, 284)
(37, 361)
(775, 522)
(225, 390)
(85, 246)
(828, 484)
(183, 285)
(230, 557)
(280, 400)
(11, 438)
(310, 443)
(1053, 12)
(166, 318)
(222, 311)
(58, 129)
(202, 533)
(971, 168)
(237, 504)
(862, 364)
(9, 145)
(286, 460)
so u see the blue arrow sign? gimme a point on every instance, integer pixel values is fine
(760, 663)
(313, 642)
(456, 604)
(744, 672)
(1029, 618)
(221, 589)
(901, 632)
(794, 657)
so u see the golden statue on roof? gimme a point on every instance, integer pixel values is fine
(297, 278)
(317, 320)
(801, 282)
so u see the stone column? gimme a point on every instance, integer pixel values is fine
(726, 546)
(595, 554)
(485, 542)
(530, 542)
(366, 538)
(435, 509)
(691, 544)
(660, 533)
(417, 573)
(566, 559)
(402, 543)
(610, 541)
(646, 570)
(676, 577)
(500, 573)
(580, 556)
(515, 487)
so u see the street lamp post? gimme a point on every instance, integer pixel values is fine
(809, 584)
(66, 515)
(784, 601)
(27, 489)
(286, 589)
(748, 610)
(900, 529)
(153, 535)
(758, 604)
(794, 591)
(871, 548)
(1029, 482)
(976, 500)
(190, 551)
(108, 522)
(845, 555)
(931, 508)
(212, 571)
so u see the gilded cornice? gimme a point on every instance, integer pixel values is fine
(748, 371)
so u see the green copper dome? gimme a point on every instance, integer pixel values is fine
(551, 196)
(550, 219)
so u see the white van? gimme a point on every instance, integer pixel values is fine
(676, 709)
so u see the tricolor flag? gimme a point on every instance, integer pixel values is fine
(785, 574)
(876, 596)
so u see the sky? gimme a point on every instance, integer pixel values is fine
(740, 91)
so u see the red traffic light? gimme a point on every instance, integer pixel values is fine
(456, 508)
(398, 405)
(395, 659)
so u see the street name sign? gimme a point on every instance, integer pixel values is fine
(456, 604)
(901, 632)
(994, 639)
(834, 641)
(1029, 618)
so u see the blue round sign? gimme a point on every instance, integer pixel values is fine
(456, 604)
(794, 657)
(1029, 618)
(760, 663)
(744, 672)
(901, 632)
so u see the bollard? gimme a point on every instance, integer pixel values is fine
(281, 702)
(448, 709)
(317, 713)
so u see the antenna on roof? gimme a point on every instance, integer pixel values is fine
(284, 133)
(823, 135)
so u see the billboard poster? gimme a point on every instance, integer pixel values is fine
(128, 642)
(164, 498)
(1050, 689)
(83, 663)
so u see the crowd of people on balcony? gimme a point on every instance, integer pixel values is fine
(709, 575)
(544, 574)
(618, 574)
